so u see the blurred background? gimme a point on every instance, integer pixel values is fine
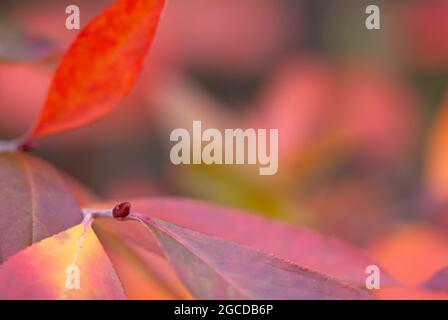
(359, 112)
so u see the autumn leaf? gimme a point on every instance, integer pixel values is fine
(303, 247)
(213, 268)
(108, 269)
(35, 202)
(143, 273)
(39, 272)
(101, 66)
(208, 266)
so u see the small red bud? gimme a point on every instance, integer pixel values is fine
(27, 146)
(121, 210)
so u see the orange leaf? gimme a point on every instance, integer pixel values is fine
(101, 66)
(130, 271)
(39, 272)
(144, 274)
(109, 269)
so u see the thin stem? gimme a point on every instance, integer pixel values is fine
(8, 146)
(95, 213)
(19, 144)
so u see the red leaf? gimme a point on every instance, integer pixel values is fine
(101, 66)
(35, 203)
(303, 247)
(213, 268)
